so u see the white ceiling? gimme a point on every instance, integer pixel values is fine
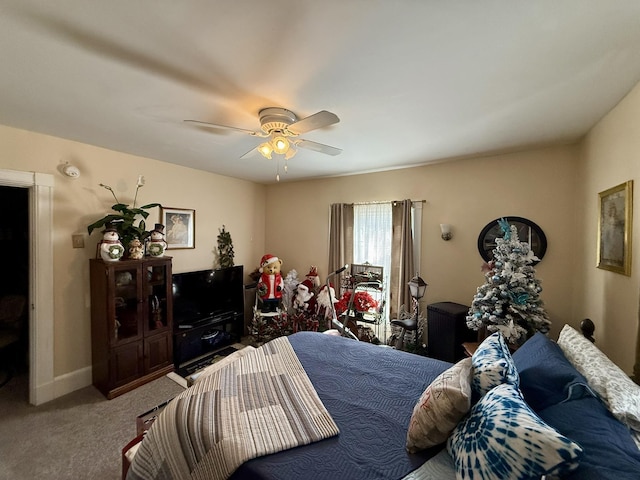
(413, 81)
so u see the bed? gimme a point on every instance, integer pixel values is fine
(373, 412)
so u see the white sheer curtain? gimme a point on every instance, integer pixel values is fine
(372, 243)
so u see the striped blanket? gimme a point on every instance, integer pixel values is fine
(261, 403)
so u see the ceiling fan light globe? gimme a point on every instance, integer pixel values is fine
(265, 150)
(280, 144)
(290, 153)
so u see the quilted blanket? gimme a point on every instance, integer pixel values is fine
(261, 403)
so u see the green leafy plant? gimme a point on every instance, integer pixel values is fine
(124, 220)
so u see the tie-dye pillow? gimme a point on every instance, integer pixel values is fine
(493, 365)
(502, 438)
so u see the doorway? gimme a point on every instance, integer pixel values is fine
(14, 283)
(39, 187)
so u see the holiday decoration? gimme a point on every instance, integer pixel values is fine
(313, 277)
(110, 247)
(362, 302)
(225, 248)
(291, 282)
(136, 249)
(304, 294)
(157, 245)
(271, 284)
(509, 301)
(324, 299)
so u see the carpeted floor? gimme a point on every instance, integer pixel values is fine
(76, 436)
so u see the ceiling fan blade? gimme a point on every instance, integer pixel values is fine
(226, 127)
(317, 120)
(317, 147)
(251, 152)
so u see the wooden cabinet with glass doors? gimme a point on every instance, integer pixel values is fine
(131, 323)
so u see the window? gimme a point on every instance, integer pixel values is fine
(385, 234)
(372, 237)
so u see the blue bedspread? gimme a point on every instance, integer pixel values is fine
(370, 391)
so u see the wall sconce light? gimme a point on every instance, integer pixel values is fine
(445, 228)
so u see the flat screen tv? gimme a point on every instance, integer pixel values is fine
(205, 294)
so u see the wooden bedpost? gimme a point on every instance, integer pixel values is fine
(588, 328)
(636, 366)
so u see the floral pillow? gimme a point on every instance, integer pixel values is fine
(493, 365)
(440, 407)
(502, 438)
(617, 390)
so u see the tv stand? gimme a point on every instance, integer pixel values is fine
(204, 338)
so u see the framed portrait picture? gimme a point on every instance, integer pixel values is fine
(180, 227)
(614, 228)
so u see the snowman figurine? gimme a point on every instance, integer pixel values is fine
(157, 245)
(111, 249)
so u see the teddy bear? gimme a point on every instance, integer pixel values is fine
(136, 249)
(271, 284)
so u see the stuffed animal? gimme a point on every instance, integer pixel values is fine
(136, 249)
(304, 294)
(110, 247)
(271, 284)
(313, 277)
(323, 303)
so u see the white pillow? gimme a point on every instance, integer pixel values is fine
(617, 390)
(440, 407)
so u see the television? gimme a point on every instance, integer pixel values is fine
(207, 294)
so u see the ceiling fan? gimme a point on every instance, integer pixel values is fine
(282, 127)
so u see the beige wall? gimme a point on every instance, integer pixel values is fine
(78, 202)
(555, 187)
(611, 156)
(538, 184)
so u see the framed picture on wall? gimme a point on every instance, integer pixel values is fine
(615, 215)
(180, 227)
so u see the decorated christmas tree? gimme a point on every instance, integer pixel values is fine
(509, 301)
(225, 249)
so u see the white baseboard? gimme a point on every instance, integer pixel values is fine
(72, 381)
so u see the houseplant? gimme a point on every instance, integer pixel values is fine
(124, 220)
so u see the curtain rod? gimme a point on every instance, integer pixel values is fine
(383, 202)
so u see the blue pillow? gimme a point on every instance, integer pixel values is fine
(503, 438)
(492, 365)
(546, 376)
(609, 449)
